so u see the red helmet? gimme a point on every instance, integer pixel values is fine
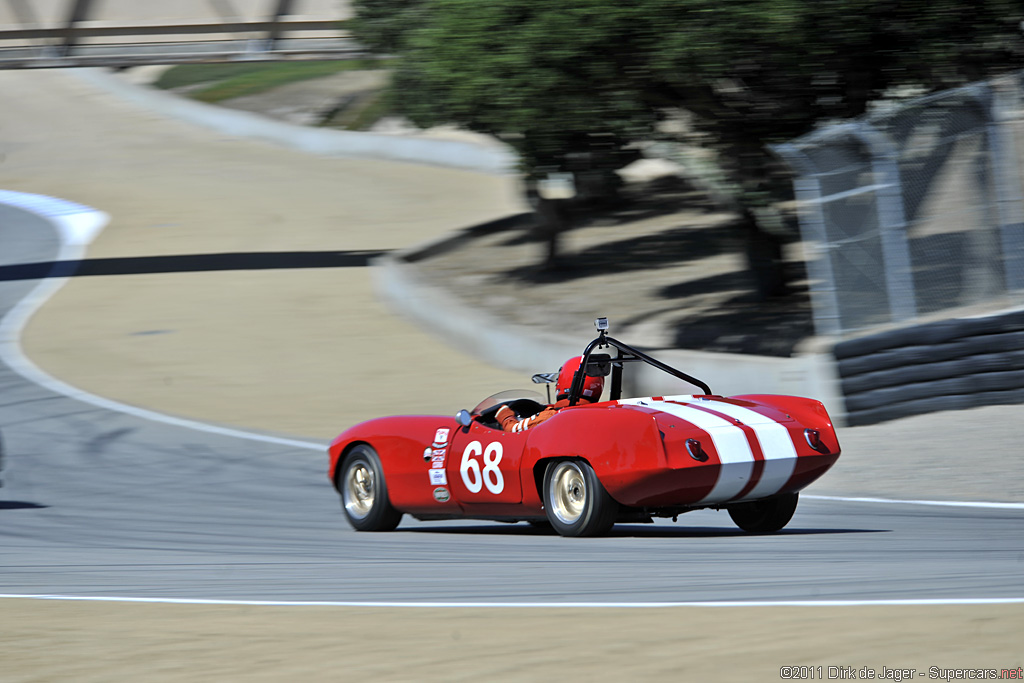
(592, 386)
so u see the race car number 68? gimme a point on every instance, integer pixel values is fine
(491, 477)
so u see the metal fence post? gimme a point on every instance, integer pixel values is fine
(892, 224)
(824, 301)
(1009, 202)
(79, 13)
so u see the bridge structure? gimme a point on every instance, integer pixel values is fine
(38, 34)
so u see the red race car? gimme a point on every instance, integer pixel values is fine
(589, 464)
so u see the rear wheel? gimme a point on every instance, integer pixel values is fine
(364, 494)
(765, 516)
(575, 501)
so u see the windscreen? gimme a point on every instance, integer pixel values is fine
(505, 397)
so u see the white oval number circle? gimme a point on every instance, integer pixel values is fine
(491, 476)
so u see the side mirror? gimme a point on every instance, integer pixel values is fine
(464, 418)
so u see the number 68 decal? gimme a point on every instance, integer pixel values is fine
(491, 477)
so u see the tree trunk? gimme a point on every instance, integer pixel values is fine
(764, 258)
(553, 217)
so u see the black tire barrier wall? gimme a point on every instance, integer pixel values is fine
(947, 365)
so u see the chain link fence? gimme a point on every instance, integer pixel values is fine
(915, 209)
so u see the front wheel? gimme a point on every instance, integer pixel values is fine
(364, 494)
(765, 516)
(575, 501)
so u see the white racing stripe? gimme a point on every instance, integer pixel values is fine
(730, 442)
(776, 444)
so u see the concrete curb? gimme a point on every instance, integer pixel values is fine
(319, 141)
(76, 224)
(469, 330)
(397, 282)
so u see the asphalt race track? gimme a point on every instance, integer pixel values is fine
(101, 503)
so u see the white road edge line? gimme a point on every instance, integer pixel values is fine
(532, 605)
(940, 503)
(77, 225)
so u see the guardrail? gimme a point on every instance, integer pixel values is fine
(79, 41)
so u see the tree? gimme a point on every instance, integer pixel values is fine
(579, 81)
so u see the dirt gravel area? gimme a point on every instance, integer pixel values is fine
(742, 644)
(182, 312)
(666, 267)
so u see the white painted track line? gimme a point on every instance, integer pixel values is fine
(533, 605)
(938, 503)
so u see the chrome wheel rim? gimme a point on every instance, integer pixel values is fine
(359, 490)
(568, 492)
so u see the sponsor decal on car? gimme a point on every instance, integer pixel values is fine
(437, 454)
(441, 494)
(441, 437)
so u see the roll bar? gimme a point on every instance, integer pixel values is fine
(626, 354)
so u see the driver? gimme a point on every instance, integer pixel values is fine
(592, 388)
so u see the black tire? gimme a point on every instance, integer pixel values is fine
(364, 493)
(765, 516)
(575, 501)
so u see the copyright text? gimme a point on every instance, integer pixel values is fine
(884, 673)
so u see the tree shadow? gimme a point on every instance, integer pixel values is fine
(20, 505)
(645, 531)
(646, 252)
(640, 201)
(633, 531)
(484, 529)
(190, 263)
(744, 323)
